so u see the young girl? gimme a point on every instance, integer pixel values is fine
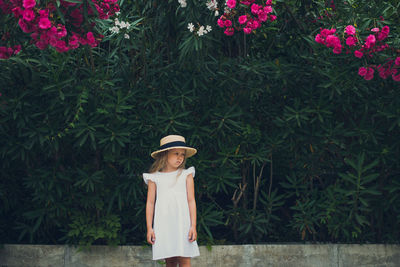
(171, 206)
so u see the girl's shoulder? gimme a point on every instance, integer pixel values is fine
(149, 177)
(190, 170)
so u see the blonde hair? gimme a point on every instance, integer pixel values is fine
(161, 161)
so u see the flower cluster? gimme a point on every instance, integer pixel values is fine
(245, 15)
(213, 6)
(182, 3)
(120, 26)
(42, 22)
(330, 40)
(373, 44)
(7, 52)
(201, 30)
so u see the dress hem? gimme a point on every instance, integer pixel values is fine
(176, 255)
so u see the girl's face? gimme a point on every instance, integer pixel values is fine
(175, 158)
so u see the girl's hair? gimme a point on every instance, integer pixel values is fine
(161, 161)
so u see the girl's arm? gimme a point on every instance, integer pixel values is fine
(151, 197)
(192, 207)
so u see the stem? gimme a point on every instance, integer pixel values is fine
(235, 200)
(257, 186)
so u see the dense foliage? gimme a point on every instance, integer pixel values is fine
(293, 144)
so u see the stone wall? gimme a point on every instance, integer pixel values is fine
(296, 255)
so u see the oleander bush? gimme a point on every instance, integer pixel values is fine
(293, 145)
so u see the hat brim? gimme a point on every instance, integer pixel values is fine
(190, 151)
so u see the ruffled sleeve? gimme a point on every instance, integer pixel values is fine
(190, 170)
(149, 177)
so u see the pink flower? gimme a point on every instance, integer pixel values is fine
(44, 23)
(370, 42)
(221, 23)
(272, 18)
(231, 3)
(28, 4)
(90, 39)
(5, 52)
(59, 31)
(61, 46)
(351, 41)
(385, 71)
(255, 9)
(25, 27)
(17, 49)
(337, 49)
(247, 30)
(384, 33)
(332, 41)
(358, 54)
(229, 31)
(362, 71)
(41, 44)
(253, 24)
(386, 30)
(267, 9)
(82, 40)
(263, 16)
(228, 23)
(34, 36)
(397, 61)
(242, 19)
(44, 13)
(73, 42)
(268, 3)
(326, 32)
(28, 14)
(17, 11)
(319, 39)
(246, 2)
(375, 30)
(350, 30)
(369, 75)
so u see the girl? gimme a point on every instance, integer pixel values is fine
(171, 206)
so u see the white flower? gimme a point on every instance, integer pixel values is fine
(123, 24)
(126, 36)
(114, 29)
(182, 3)
(208, 28)
(216, 13)
(212, 5)
(201, 31)
(191, 27)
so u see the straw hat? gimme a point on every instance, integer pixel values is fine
(174, 141)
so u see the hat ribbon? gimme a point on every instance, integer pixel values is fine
(173, 144)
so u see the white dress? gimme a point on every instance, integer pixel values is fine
(171, 215)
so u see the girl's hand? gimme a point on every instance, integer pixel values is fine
(192, 234)
(151, 237)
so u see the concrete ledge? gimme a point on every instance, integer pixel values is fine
(284, 255)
